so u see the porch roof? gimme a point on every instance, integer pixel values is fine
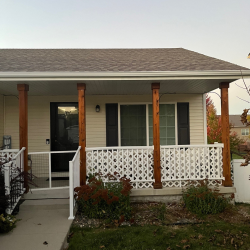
(113, 71)
(109, 60)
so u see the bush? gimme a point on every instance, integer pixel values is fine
(3, 198)
(105, 201)
(7, 223)
(201, 200)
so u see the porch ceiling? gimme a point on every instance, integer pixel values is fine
(113, 87)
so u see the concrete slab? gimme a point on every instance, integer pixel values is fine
(41, 220)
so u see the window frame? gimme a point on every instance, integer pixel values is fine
(147, 119)
(245, 130)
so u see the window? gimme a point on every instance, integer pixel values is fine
(167, 124)
(245, 131)
(133, 125)
(136, 124)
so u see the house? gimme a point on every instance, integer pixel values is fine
(132, 109)
(239, 128)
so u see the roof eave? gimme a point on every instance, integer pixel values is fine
(140, 75)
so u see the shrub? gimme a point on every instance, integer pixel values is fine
(3, 198)
(105, 201)
(7, 223)
(201, 200)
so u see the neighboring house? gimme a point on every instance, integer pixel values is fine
(127, 101)
(239, 128)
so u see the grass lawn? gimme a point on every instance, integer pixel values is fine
(229, 230)
(234, 156)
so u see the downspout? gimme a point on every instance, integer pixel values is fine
(4, 118)
(204, 119)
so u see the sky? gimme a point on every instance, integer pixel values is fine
(217, 28)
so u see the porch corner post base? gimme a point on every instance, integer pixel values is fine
(157, 185)
(81, 87)
(23, 128)
(227, 183)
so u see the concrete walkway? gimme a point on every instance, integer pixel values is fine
(43, 220)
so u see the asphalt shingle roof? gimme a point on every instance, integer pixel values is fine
(108, 60)
(235, 120)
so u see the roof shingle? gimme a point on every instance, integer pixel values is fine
(109, 60)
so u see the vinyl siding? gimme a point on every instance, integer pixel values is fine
(238, 131)
(1, 119)
(39, 117)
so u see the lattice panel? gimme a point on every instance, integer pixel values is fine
(179, 165)
(7, 156)
(135, 164)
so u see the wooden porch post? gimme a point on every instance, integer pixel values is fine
(225, 134)
(156, 135)
(23, 126)
(81, 87)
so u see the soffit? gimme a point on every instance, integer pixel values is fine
(101, 87)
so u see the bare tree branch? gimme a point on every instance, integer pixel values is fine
(243, 99)
(240, 86)
(244, 83)
(215, 93)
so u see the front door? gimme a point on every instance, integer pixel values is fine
(64, 134)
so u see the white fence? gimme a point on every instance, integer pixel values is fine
(13, 177)
(241, 177)
(179, 164)
(74, 180)
(43, 165)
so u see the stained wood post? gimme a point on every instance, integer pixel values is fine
(156, 134)
(23, 126)
(81, 87)
(225, 134)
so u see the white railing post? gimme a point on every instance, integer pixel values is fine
(50, 182)
(7, 182)
(71, 191)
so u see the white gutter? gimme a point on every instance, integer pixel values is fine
(154, 75)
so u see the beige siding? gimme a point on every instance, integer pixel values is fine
(238, 131)
(39, 117)
(1, 119)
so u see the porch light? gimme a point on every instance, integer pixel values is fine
(97, 108)
(248, 56)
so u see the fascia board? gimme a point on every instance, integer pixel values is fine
(159, 75)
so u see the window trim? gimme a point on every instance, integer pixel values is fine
(245, 129)
(147, 119)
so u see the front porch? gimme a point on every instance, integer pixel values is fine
(177, 119)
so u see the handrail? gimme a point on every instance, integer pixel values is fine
(76, 153)
(216, 145)
(52, 152)
(20, 151)
(122, 147)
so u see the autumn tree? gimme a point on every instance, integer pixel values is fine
(214, 128)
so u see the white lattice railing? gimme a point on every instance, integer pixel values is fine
(136, 163)
(179, 164)
(8, 154)
(74, 180)
(13, 178)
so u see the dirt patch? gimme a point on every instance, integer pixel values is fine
(152, 213)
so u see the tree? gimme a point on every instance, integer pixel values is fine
(214, 128)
